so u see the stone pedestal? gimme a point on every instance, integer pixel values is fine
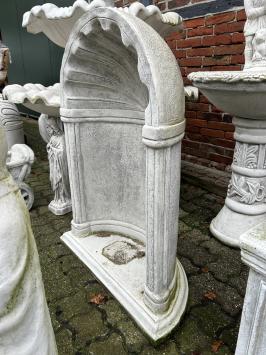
(252, 336)
(245, 204)
(122, 106)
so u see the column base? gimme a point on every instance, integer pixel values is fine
(119, 262)
(58, 209)
(229, 225)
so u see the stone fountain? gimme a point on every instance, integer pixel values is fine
(243, 95)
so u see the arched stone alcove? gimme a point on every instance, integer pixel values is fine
(122, 106)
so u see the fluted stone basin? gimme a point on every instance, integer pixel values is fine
(36, 97)
(243, 95)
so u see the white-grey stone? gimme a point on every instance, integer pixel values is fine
(25, 325)
(123, 252)
(12, 123)
(52, 132)
(19, 161)
(243, 95)
(122, 105)
(46, 100)
(252, 337)
(255, 35)
(57, 22)
(36, 97)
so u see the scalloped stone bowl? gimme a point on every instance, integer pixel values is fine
(243, 95)
(240, 93)
(36, 97)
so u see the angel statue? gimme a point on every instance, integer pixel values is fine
(254, 31)
(52, 132)
(25, 324)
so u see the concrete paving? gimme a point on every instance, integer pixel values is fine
(88, 320)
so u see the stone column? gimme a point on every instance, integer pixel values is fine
(252, 336)
(162, 201)
(245, 202)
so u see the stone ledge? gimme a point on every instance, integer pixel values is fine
(210, 179)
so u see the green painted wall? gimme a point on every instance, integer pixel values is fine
(34, 58)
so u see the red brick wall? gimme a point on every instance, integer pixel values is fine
(214, 42)
(175, 4)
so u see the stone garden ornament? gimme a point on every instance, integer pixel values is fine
(19, 161)
(122, 105)
(252, 338)
(46, 100)
(243, 94)
(25, 325)
(52, 132)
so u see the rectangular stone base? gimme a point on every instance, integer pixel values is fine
(123, 271)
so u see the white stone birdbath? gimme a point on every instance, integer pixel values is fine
(243, 95)
(46, 101)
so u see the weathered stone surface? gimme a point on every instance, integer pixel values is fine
(134, 338)
(112, 345)
(226, 296)
(79, 279)
(88, 326)
(164, 349)
(64, 342)
(211, 319)
(118, 176)
(191, 339)
(123, 252)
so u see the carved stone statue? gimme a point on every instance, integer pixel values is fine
(52, 132)
(255, 28)
(19, 161)
(25, 325)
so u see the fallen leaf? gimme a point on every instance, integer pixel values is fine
(210, 295)
(205, 269)
(216, 345)
(98, 299)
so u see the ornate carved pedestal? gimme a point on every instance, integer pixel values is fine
(245, 204)
(252, 336)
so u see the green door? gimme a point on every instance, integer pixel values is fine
(35, 59)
